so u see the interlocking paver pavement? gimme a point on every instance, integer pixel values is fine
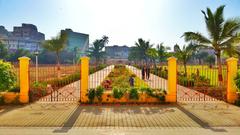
(74, 115)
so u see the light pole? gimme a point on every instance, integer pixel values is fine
(36, 53)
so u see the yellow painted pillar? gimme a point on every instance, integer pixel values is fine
(24, 79)
(231, 74)
(84, 79)
(172, 80)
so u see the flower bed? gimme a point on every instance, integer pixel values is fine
(119, 78)
(116, 89)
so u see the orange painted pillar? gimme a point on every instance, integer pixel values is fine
(231, 74)
(24, 79)
(172, 80)
(84, 79)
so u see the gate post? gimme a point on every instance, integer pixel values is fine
(24, 79)
(84, 79)
(231, 74)
(172, 80)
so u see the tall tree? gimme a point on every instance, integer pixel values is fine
(162, 52)
(200, 56)
(3, 51)
(19, 53)
(223, 34)
(56, 44)
(142, 48)
(184, 54)
(134, 55)
(96, 50)
(153, 55)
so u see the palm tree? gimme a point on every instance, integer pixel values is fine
(96, 51)
(153, 55)
(162, 52)
(222, 34)
(134, 55)
(56, 44)
(142, 48)
(200, 56)
(184, 54)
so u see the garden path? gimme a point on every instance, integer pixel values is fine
(153, 82)
(97, 78)
(71, 92)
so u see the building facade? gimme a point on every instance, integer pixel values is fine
(77, 42)
(117, 52)
(24, 37)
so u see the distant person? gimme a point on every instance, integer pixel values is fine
(131, 81)
(148, 72)
(143, 72)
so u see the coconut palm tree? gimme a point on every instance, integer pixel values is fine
(56, 44)
(96, 50)
(153, 55)
(162, 52)
(223, 34)
(142, 48)
(184, 54)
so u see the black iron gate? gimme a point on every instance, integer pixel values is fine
(50, 83)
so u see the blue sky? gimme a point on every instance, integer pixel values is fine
(124, 21)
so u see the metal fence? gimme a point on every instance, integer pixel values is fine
(201, 83)
(53, 83)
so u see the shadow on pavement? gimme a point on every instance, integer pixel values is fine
(70, 122)
(200, 122)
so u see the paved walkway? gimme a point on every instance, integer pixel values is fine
(97, 78)
(154, 81)
(119, 131)
(65, 117)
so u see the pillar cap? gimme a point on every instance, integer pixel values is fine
(24, 58)
(232, 59)
(85, 57)
(172, 58)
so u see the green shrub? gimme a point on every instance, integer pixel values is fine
(237, 80)
(38, 90)
(184, 81)
(15, 89)
(237, 102)
(156, 93)
(7, 76)
(133, 94)
(118, 92)
(99, 93)
(91, 95)
(58, 83)
(160, 94)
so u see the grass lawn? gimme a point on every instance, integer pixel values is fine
(210, 73)
(204, 70)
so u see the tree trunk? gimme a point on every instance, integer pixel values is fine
(58, 65)
(220, 78)
(185, 68)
